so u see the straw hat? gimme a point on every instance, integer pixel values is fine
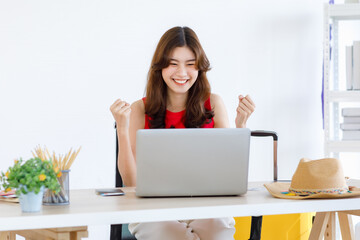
(322, 178)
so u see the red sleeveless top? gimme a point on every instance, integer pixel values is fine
(175, 119)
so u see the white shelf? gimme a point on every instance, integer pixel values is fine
(344, 146)
(333, 98)
(350, 11)
(344, 96)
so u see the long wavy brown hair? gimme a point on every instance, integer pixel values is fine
(156, 90)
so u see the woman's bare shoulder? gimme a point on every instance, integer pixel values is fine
(215, 99)
(137, 116)
(138, 106)
(138, 111)
(221, 118)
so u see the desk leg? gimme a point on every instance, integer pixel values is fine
(69, 233)
(7, 236)
(12, 236)
(319, 226)
(352, 212)
(346, 226)
(31, 235)
(4, 235)
(330, 232)
(78, 235)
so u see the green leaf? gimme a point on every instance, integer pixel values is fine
(27, 174)
(37, 190)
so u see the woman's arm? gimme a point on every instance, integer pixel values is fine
(128, 120)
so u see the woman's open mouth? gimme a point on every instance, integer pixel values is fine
(180, 81)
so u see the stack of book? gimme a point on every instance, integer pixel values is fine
(8, 196)
(353, 66)
(351, 125)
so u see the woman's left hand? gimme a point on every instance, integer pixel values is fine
(245, 108)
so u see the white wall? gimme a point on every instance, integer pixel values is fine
(63, 63)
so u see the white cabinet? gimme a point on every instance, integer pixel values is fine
(333, 95)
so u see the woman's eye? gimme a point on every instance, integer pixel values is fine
(173, 64)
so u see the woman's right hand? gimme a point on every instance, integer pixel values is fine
(121, 111)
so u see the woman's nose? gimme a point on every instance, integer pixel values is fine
(181, 71)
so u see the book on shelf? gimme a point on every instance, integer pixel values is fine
(351, 135)
(351, 112)
(350, 126)
(356, 65)
(349, 67)
(351, 119)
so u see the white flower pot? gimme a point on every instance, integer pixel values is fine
(31, 202)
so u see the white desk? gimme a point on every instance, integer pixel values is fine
(87, 208)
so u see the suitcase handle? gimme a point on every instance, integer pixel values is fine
(263, 133)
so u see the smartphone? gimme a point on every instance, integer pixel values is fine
(109, 192)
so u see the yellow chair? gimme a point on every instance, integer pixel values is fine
(275, 227)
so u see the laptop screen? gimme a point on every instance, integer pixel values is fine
(192, 162)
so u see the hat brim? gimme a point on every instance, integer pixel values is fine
(276, 189)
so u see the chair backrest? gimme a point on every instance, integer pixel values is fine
(118, 180)
(116, 231)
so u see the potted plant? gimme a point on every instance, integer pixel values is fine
(30, 178)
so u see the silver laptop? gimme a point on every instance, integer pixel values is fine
(192, 162)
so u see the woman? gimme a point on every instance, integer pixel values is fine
(177, 96)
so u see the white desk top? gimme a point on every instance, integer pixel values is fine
(87, 208)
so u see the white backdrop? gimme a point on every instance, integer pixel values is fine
(63, 63)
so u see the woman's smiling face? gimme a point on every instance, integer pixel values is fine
(181, 73)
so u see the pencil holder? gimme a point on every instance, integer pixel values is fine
(62, 197)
